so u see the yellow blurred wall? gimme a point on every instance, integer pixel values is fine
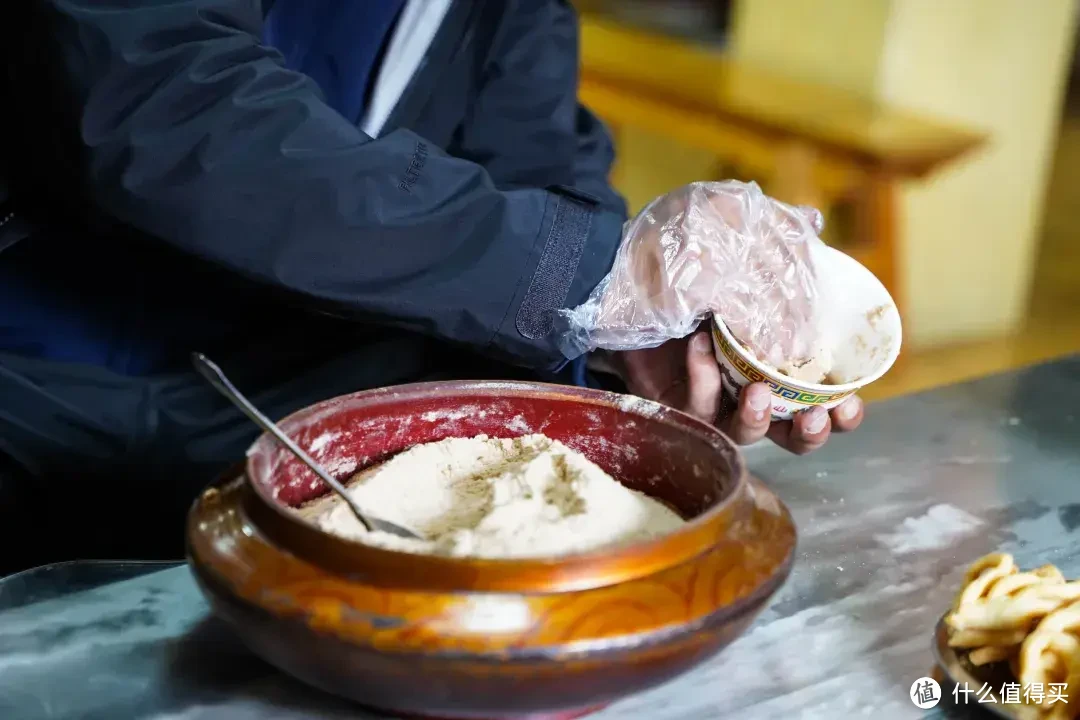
(970, 235)
(648, 165)
(836, 41)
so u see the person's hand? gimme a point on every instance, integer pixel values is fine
(723, 248)
(684, 374)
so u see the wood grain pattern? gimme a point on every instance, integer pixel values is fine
(618, 62)
(544, 646)
(810, 143)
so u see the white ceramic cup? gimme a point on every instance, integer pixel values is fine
(860, 323)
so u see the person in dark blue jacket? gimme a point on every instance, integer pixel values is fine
(321, 195)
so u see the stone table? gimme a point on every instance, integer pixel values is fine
(889, 518)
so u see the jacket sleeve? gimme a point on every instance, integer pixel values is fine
(527, 127)
(194, 133)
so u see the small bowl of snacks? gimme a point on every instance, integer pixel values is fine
(1013, 638)
(861, 336)
(577, 546)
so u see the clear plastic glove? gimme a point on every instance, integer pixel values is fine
(712, 247)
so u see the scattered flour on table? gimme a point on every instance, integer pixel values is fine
(941, 527)
(529, 496)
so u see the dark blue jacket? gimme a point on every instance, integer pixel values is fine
(159, 157)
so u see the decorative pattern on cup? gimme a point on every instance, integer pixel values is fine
(787, 399)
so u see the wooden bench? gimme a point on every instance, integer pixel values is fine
(812, 144)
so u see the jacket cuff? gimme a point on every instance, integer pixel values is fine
(576, 249)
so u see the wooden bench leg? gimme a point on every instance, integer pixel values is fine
(793, 177)
(877, 229)
(878, 237)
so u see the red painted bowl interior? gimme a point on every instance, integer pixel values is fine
(644, 445)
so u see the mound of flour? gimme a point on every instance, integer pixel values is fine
(486, 497)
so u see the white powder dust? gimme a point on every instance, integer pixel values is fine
(941, 527)
(320, 443)
(529, 496)
(640, 406)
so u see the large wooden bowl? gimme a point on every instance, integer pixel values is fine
(459, 638)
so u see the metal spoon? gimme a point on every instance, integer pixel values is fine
(217, 378)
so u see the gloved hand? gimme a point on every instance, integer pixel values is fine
(712, 247)
(723, 248)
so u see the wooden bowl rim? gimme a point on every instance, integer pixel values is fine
(378, 566)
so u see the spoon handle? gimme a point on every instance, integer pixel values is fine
(208, 369)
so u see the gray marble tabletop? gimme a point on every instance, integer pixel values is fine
(889, 517)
